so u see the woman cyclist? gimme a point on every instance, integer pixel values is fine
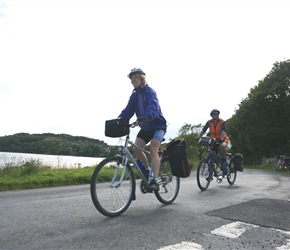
(144, 103)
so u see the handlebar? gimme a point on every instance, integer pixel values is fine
(208, 141)
(133, 125)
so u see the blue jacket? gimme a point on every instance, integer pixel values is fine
(144, 103)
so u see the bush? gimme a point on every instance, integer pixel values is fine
(32, 166)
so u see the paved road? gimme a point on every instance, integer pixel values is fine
(252, 214)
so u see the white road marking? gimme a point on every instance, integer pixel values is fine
(233, 230)
(287, 246)
(281, 231)
(284, 247)
(184, 245)
(236, 229)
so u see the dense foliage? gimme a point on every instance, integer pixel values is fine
(260, 127)
(55, 144)
(190, 133)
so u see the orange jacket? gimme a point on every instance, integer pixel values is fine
(215, 129)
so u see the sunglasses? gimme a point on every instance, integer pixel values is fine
(215, 113)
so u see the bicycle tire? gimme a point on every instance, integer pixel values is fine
(112, 198)
(204, 174)
(168, 184)
(232, 175)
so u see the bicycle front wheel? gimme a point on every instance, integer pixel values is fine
(112, 186)
(204, 174)
(232, 175)
(168, 184)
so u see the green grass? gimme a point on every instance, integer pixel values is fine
(268, 167)
(33, 175)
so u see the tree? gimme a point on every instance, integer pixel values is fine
(190, 133)
(260, 127)
(53, 144)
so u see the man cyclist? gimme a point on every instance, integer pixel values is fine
(217, 130)
(144, 103)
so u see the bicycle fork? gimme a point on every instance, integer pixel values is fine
(119, 167)
(115, 177)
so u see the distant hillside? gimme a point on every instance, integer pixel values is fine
(55, 144)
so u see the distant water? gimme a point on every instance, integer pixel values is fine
(53, 161)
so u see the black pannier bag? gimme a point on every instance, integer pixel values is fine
(117, 127)
(178, 159)
(239, 162)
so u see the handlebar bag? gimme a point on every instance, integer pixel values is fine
(206, 141)
(117, 127)
(178, 158)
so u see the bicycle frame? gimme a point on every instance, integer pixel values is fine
(127, 156)
(206, 170)
(213, 159)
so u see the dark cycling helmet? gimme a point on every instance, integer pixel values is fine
(136, 71)
(214, 111)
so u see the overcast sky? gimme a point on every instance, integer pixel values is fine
(64, 64)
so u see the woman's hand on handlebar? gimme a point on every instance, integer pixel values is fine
(139, 120)
(133, 125)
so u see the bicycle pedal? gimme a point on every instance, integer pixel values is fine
(219, 179)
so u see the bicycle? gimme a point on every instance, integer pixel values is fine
(210, 167)
(113, 184)
(282, 162)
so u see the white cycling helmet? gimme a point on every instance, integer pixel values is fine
(137, 71)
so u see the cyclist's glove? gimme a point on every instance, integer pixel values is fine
(141, 120)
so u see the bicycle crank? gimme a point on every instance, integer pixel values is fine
(142, 187)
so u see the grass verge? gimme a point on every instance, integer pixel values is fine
(29, 177)
(33, 175)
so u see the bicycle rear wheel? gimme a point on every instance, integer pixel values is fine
(232, 175)
(204, 174)
(112, 187)
(168, 184)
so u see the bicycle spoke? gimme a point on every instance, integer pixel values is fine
(112, 187)
(204, 175)
(168, 184)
